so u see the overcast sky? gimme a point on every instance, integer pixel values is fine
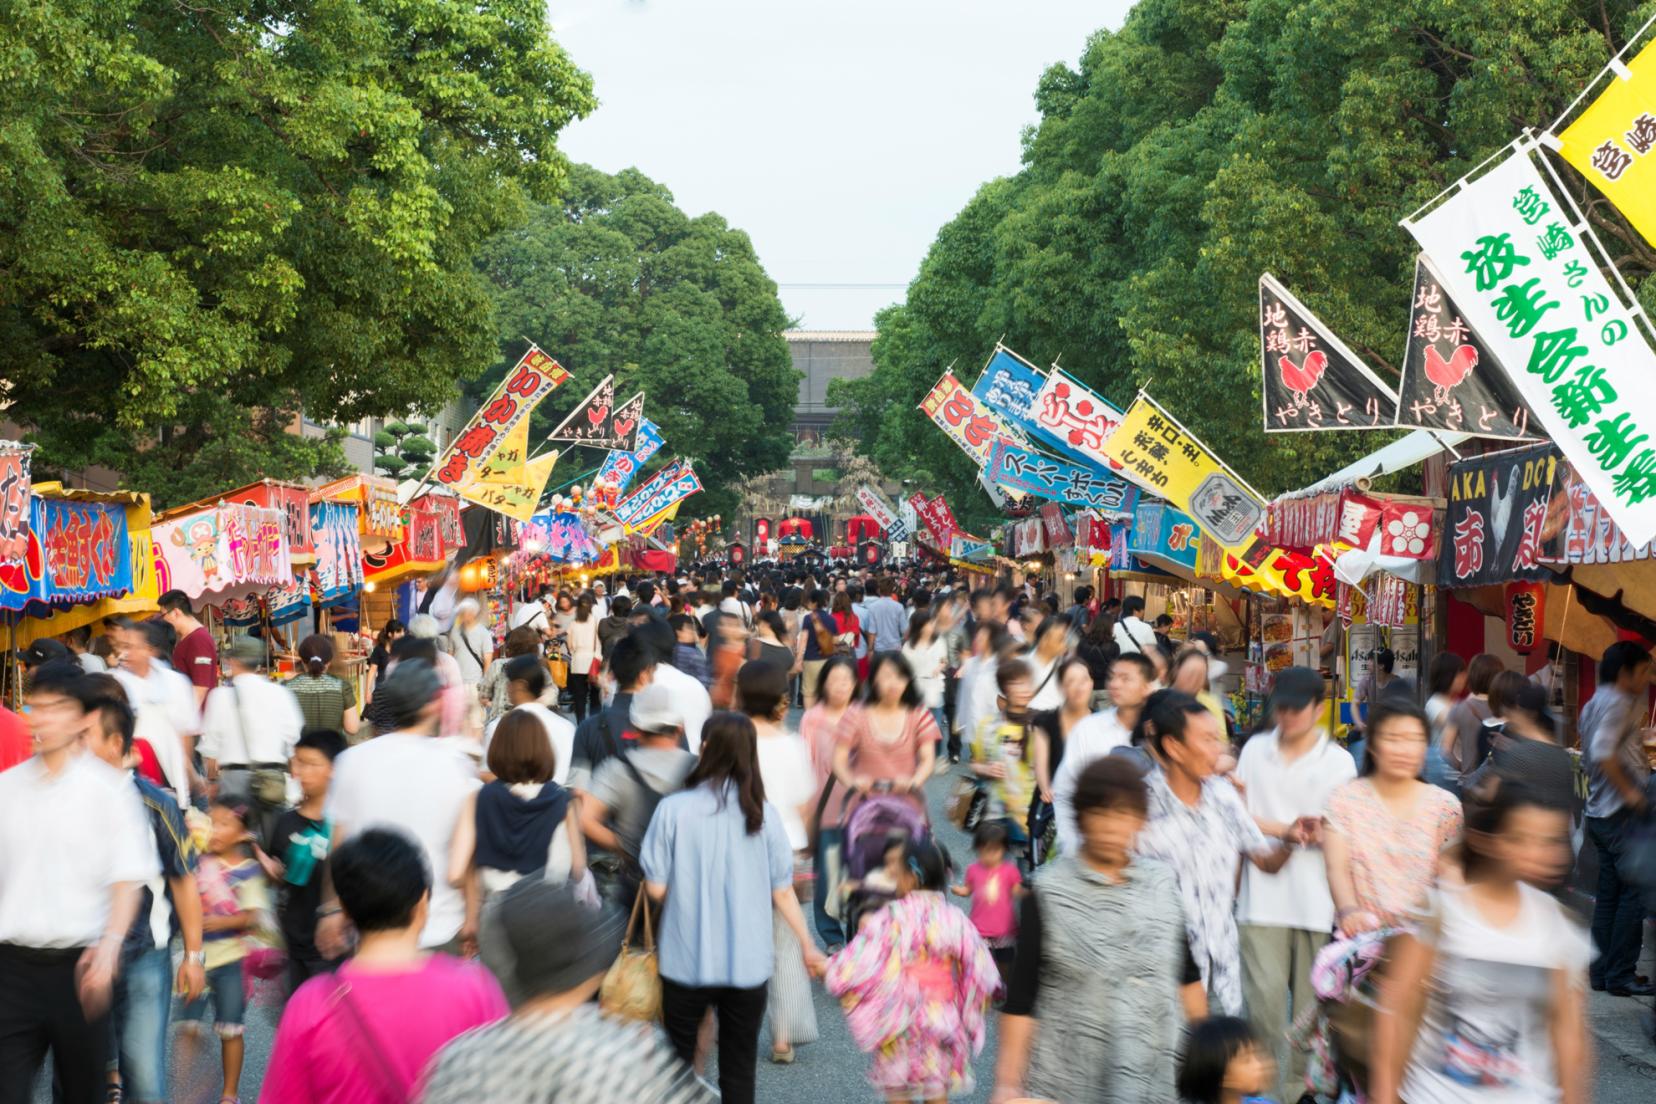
(840, 135)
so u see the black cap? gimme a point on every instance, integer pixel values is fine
(41, 651)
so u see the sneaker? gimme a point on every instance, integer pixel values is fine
(711, 1088)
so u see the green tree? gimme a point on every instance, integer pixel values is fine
(617, 280)
(1204, 143)
(214, 217)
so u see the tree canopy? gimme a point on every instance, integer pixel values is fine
(1204, 143)
(616, 279)
(214, 216)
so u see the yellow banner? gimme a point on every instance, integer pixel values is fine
(505, 465)
(1154, 451)
(515, 500)
(1613, 144)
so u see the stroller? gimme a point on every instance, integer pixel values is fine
(872, 826)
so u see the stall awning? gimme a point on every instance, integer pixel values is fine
(1403, 453)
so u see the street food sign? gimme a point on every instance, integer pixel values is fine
(534, 377)
(1014, 465)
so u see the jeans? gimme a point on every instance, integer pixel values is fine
(831, 931)
(1619, 912)
(740, 1012)
(143, 1001)
(40, 1010)
(225, 1000)
(942, 724)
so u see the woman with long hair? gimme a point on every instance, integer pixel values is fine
(389, 634)
(890, 740)
(1048, 647)
(1463, 729)
(1445, 683)
(848, 629)
(836, 689)
(927, 653)
(326, 700)
(583, 659)
(1386, 831)
(785, 767)
(769, 642)
(717, 856)
(1049, 730)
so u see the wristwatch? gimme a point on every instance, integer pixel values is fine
(195, 958)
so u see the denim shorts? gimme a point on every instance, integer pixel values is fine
(225, 999)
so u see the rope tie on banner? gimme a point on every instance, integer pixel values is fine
(1614, 65)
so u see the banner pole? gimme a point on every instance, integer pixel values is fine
(1609, 67)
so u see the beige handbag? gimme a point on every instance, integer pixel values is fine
(632, 987)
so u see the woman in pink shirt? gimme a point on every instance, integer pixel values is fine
(890, 741)
(364, 1034)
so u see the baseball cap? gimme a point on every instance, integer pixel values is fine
(655, 710)
(41, 651)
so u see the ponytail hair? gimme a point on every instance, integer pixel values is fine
(317, 651)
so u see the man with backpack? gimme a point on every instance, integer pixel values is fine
(626, 788)
(817, 631)
(603, 735)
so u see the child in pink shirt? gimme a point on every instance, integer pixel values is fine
(994, 884)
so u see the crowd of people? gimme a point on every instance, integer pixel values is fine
(1160, 905)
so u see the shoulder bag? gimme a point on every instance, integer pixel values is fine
(388, 1087)
(632, 987)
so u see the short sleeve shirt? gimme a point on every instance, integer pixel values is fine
(1394, 861)
(174, 846)
(196, 659)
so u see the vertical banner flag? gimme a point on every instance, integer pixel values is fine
(1526, 613)
(1013, 465)
(960, 414)
(1311, 379)
(590, 422)
(515, 500)
(1163, 457)
(875, 506)
(625, 423)
(620, 467)
(1072, 416)
(506, 465)
(1008, 385)
(1450, 378)
(534, 377)
(669, 486)
(1518, 263)
(940, 528)
(14, 504)
(945, 515)
(1613, 142)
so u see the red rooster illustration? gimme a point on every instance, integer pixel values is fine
(1446, 375)
(1301, 378)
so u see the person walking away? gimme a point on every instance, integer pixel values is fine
(687, 653)
(926, 654)
(1001, 757)
(422, 643)
(1132, 633)
(835, 691)
(817, 631)
(976, 693)
(299, 847)
(785, 769)
(1463, 731)
(1387, 832)
(617, 807)
(957, 642)
(1199, 826)
(1050, 643)
(367, 1031)
(886, 620)
(890, 742)
(1225, 1062)
(168, 716)
(66, 907)
(993, 884)
(1617, 773)
(237, 918)
(194, 655)
(492, 690)
(1445, 683)
(608, 732)
(142, 993)
(1284, 917)
(916, 983)
(584, 661)
(1483, 1001)
(526, 681)
(1104, 980)
(472, 646)
(768, 642)
(693, 698)
(325, 700)
(615, 625)
(409, 781)
(718, 857)
(560, 950)
(1527, 749)
(79, 643)
(248, 735)
(520, 823)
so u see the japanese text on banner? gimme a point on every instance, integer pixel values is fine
(530, 380)
(1012, 465)
(1613, 143)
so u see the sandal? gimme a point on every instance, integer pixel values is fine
(783, 1057)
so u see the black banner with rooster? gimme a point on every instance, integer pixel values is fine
(1451, 381)
(1311, 379)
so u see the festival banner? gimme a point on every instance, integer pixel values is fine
(534, 377)
(620, 467)
(1054, 527)
(223, 551)
(1613, 142)
(963, 547)
(78, 553)
(937, 522)
(874, 504)
(1161, 531)
(515, 500)
(1588, 535)
(1497, 522)
(14, 505)
(626, 422)
(1287, 573)
(561, 537)
(506, 465)
(672, 485)
(1311, 379)
(1074, 418)
(590, 423)
(1526, 614)
(1008, 385)
(1450, 379)
(967, 421)
(338, 550)
(1163, 457)
(1523, 266)
(941, 509)
(1013, 465)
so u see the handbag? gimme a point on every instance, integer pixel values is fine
(965, 805)
(632, 986)
(269, 784)
(826, 645)
(559, 668)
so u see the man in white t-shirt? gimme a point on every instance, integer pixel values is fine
(1284, 917)
(163, 703)
(1131, 680)
(1132, 632)
(410, 781)
(533, 614)
(693, 701)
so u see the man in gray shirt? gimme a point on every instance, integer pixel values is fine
(887, 621)
(1617, 771)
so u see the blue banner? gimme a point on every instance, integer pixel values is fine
(561, 536)
(78, 554)
(621, 468)
(1160, 530)
(1013, 465)
(1008, 386)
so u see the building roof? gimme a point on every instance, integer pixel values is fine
(829, 335)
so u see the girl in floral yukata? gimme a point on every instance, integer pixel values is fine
(916, 984)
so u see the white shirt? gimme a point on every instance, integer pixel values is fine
(419, 786)
(785, 767)
(927, 661)
(737, 608)
(68, 840)
(1043, 677)
(253, 720)
(481, 642)
(1091, 739)
(559, 732)
(583, 644)
(1296, 896)
(92, 663)
(968, 704)
(164, 706)
(532, 614)
(1134, 634)
(693, 702)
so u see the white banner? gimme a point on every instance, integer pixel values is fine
(1515, 258)
(875, 506)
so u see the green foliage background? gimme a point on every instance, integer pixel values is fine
(1204, 143)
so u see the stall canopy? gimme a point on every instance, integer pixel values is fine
(1401, 454)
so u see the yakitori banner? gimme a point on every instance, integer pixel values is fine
(1014, 465)
(1525, 270)
(1500, 513)
(591, 423)
(1613, 142)
(534, 377)
(1073, 417)
(1163, 457)
(621, 466)
(1450, 378)
(1311, 379)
